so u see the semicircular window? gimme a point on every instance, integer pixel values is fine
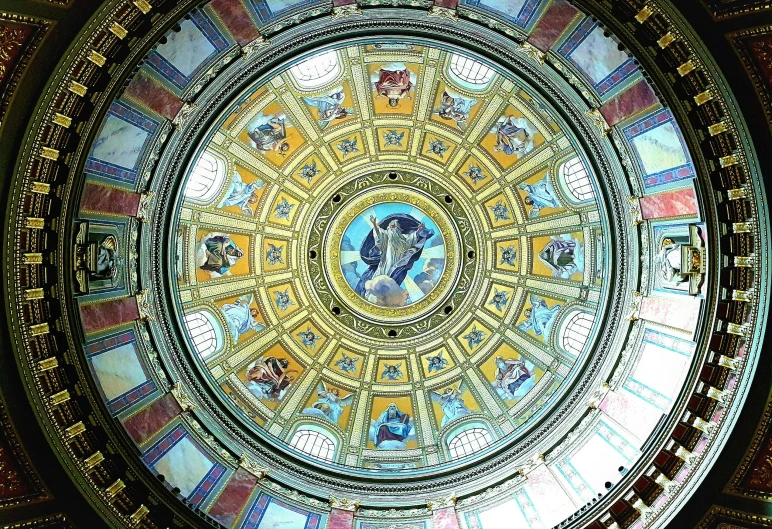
(204, 332)
(575, 332)
(313, 443)
(317, 70)
(577, 180)
(205, 179)
(469, 442)
(470, 72)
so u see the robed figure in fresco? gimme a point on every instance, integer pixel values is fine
(392, 248)
(241, 317)
(269, 377)
(539, 195)
(392, 425)
(514, 136)
(510, 375)
(241, 194)
(394, 85)
(562, 256)
(220, 253)
(329, 403)
(539, 317)
(270, 135)
(330, 107)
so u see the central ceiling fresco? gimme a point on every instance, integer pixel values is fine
(389, 256)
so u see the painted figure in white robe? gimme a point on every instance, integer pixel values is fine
(510, 375)
(241, 194)
(329, 403)
(241, 317)
(451, 403)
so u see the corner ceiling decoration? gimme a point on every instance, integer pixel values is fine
(382, 257)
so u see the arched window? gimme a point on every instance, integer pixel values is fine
(205, 179)
(317, 70)
(470, 71)
(469, 442)
(577, 179)
(576, 331)
(313, 443)
(204, 332)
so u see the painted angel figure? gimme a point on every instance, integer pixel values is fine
(511, 374)
(273, 255)
(240, 194)
(514, 136)
(455, 108)
(451, 403)
(283, 300)
(330, 107)
(475, 337)
(308, 338)
(499, 299)
(392, 371)
(347, 363)
(436, 362)
(329, 403)
(241, 317)
(394, 85)
(540, 195)
(539, 317)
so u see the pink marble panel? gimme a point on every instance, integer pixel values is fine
(150, 420)
(340, 519)
(549, 499)
(633, 413)
(632, 101)
(108, 314)
(680, 314)
(109, 200)
(229, 505)
(445, 518)
(236, 19)
(449, 4)
(554, 22)
(671, 204)
(150, 93)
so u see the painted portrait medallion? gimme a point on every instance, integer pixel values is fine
(392, 254)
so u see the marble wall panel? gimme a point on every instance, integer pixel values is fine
(184, 465)
(106, 315)
(117, 368)
(552, 24)
(445, 518)
(629, 103)
(507, 514)
(236, 18)
(109, 200)
(636, 414)
(660, 150)
(551, 501)
(269, 10)
(521, 12)
(152, 419)
(118, 149)
(678, 202)
(148, 91)
(230, 504)
(340, 519)
(597, 56)
(682, 314)
(269, 513)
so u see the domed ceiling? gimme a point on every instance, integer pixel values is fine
(375, 245)
(399, 260)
